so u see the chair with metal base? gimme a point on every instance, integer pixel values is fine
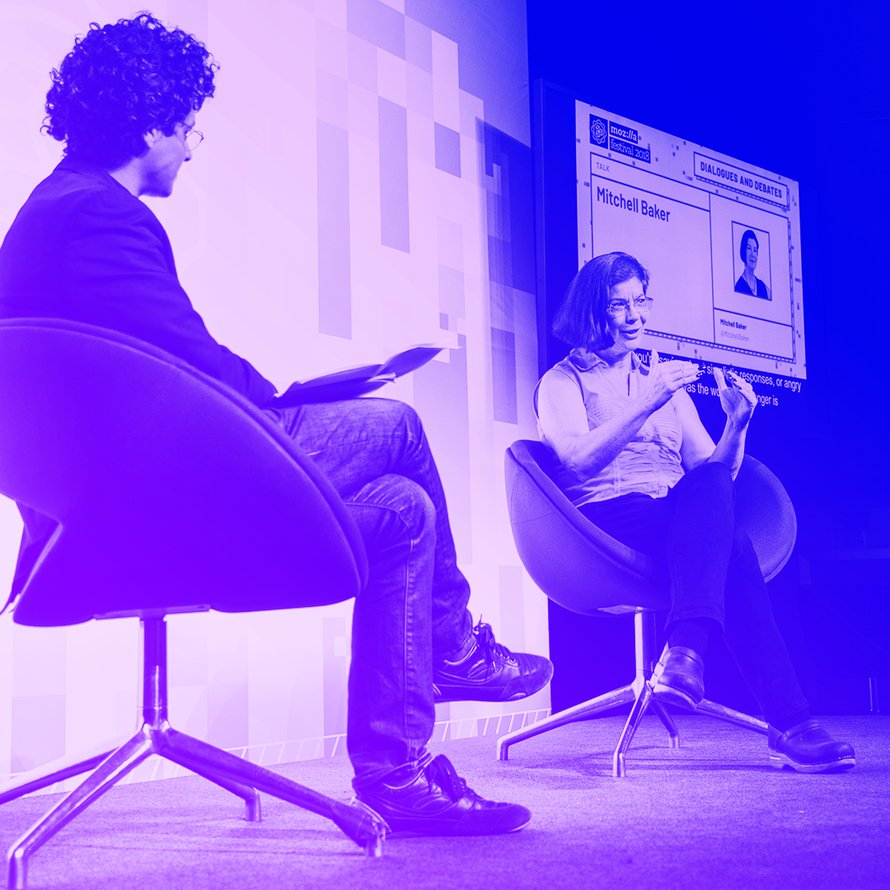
(583, 569)
(167, 493)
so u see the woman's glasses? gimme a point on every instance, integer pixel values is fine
(618, 308)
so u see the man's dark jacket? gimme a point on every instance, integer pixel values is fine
(84, 248)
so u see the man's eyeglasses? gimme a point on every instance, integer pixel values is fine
(192, 137)
(620, 307)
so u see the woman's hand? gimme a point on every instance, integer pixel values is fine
(665, 378)
(737, 397)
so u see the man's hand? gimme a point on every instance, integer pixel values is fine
(665, 378)
(736, 396)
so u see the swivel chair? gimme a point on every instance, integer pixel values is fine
(583, 569)
(170, 493)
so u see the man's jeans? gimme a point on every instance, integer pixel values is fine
(713, 573)
(413, 611)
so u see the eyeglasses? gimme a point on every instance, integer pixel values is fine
(620, 307)
(191, 137)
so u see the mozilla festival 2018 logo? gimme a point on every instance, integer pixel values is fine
(599, 130)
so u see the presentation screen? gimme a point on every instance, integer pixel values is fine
(720, 238)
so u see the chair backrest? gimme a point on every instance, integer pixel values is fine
(171, 491)
(764, 510)
(585, 570)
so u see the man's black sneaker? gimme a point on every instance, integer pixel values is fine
(490, 672)
(437, 801)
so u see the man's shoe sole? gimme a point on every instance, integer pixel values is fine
(443, 693)
(781, 761)
(448, 831)
(404, 825)
(468, 694)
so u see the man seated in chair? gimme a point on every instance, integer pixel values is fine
(84, 247)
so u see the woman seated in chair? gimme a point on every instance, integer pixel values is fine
(637, 461)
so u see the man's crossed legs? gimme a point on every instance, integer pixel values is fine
(413, 639)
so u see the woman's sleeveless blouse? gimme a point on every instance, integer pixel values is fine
(650, 462)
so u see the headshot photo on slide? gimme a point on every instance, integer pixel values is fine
(752, 248)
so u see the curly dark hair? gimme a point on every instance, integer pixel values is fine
(121, 81)
(582, 319)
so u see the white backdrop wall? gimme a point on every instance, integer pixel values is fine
(364, 185)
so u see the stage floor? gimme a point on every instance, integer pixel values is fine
(712, 813)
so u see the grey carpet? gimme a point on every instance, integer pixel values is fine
(709, 814)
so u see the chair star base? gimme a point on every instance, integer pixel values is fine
(637, 693)
(156, 736)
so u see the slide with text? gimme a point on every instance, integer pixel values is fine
(720, 238)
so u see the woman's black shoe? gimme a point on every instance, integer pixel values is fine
(437, 801)
(678, 678)
(808, 748)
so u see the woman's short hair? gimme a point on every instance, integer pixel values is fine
(582, 319)
(120, 82)
(747, 236)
